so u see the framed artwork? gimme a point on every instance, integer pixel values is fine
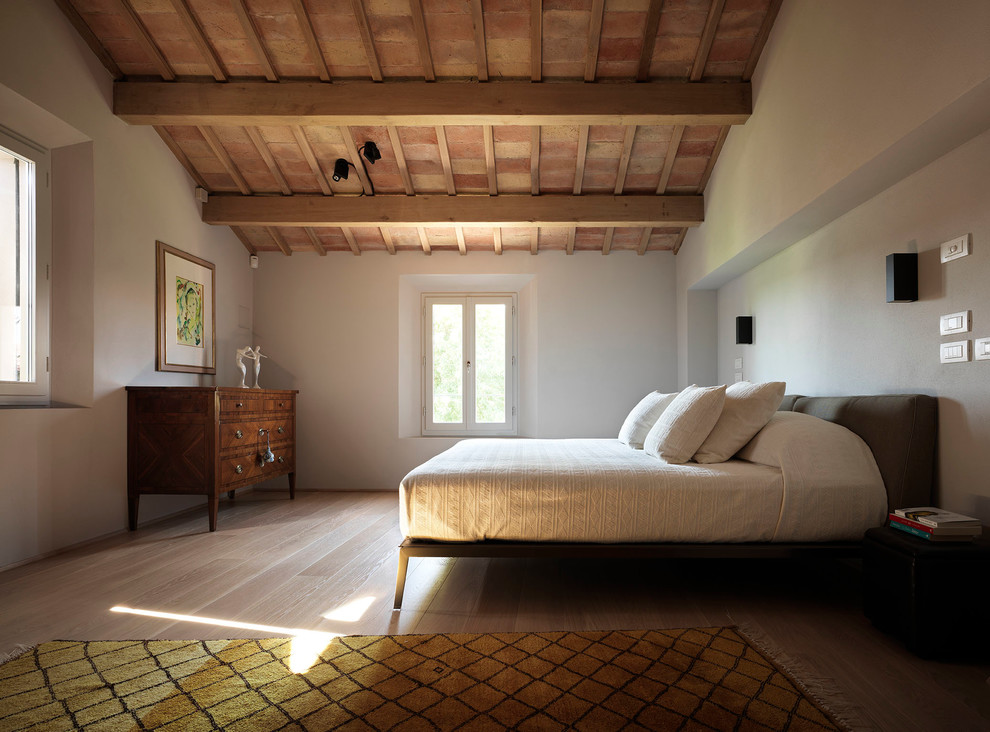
(185, 308)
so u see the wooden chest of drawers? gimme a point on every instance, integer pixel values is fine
(207, 441)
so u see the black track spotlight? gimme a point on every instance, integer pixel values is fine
(340, 170)
(371, 152)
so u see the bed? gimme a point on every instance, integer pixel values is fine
(804, 485)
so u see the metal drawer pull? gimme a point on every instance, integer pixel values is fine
(281, 430)
(262, 431)
(281, 404)
(238, 470)
(281, 459)
(238, 434)
(240, 404)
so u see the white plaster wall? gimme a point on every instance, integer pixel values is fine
(601, 332)
(64, 475)
(822, 323)
(849, 97)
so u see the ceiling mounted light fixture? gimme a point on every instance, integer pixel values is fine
(370, 151)
(340, 170)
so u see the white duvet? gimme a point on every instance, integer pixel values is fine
(800, 479)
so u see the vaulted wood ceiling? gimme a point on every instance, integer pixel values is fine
(502, 124)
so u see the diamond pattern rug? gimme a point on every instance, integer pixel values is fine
(695, 678)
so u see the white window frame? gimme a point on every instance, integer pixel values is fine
(39, 219)
(469, 427)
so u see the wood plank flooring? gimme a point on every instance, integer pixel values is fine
(286, 564)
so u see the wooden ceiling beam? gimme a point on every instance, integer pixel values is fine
(355, 157)
(448, 170)
(534, 160)
(351, 241)
(306, 26)
(722, 134)
(534, 241)
(419, 26)
(497, 240)
(361, 16)
(181, 156)
(146, 41)
(761, 39)
(195, 31)
(571, 234)
(244, 239)
(421, 103)
(536, 41)
(607, 244)
(627, 143)
(490, 160)
(707, 38)
(478, 20)
(649, 39)
(279, 240)
(680, 240)
(461, 245)
(266, 154)
(440, 210)
(644, 240)
(225, 160)
(87, 34)
(594, 40)
(314, 239)
(254, 38)
(424, 240)
(387, 238)
(400, 160)
(582, 157)
(668, 161)
(314, 165)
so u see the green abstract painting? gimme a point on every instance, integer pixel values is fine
(188, 313)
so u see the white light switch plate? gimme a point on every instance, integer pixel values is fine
(739, 377)
(956, 248)
(954, 323)
(738, 363)
(981, 349)
(955, 352)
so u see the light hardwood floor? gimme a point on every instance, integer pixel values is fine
(285, 564)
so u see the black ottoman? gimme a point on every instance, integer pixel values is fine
(935, 596)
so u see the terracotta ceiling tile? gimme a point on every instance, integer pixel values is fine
(730, 49)
(682, 23)
(687, 171)
(405, 239)
(553, 238)
(512, 133)
(507, 25)
(566, 5)
(566, 24)
(589, 238)
(424, 167)
(110, 26)
(675, 48)
(510, 182)
(336, 27)
(516, 237)
(84, 7)
(468, 166)
(152, 6)
(740, 24)
(701, 132)
(733, 6)
(696, 148)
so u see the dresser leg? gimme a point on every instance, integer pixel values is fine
(132, 510)
(292, 486)
(213, 504)
(230, 495)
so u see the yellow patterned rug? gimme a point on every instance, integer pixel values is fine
(695, 678)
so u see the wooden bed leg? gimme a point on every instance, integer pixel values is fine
(400, 578)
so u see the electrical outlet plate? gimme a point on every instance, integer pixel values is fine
(738, 377)
(954, 323)
(981, 349)
(955, 248)
(955, 352)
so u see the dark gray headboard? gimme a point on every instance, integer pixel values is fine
(900, 430)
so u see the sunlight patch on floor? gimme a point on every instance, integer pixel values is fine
(350, 612)
(307, 645)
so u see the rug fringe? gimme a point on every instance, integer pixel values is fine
(16, 652)
(821, 689)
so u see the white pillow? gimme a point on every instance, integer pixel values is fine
(685, 424)
(643, 416)
(747, 409)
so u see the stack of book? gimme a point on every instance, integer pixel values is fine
(934, 524)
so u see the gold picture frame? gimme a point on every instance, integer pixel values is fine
(185, 307)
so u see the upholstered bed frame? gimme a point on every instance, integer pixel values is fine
(900, 430)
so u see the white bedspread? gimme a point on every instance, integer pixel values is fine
(600, 490)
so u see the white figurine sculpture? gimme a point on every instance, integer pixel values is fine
(256, 356)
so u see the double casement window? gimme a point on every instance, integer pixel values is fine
(469, 364)
(25, 251)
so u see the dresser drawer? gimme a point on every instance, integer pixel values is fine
(246, 468)
(248, 433)
(234, 407)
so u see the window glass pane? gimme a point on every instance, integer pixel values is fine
(448, 360)
(16, 268)
(489, 354)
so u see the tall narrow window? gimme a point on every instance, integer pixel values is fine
(469, 364)
(24, 269)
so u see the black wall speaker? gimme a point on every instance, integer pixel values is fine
(902, 277)
(744, 329)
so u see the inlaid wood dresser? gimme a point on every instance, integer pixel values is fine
(207, 441)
